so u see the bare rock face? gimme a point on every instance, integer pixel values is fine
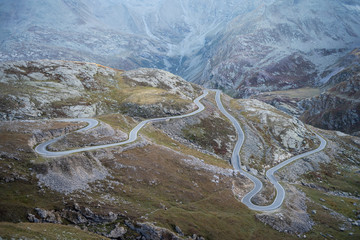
(339, 107)
(84, 215)
(311, 163)
(70, 173)
(288, 130)
(80, 111)
(244, 46)
(158, 33)
(331, 112)
(117, 232)
(156, 110)
(50, 88)
(334, 106)
(44, 216)
(152, 232)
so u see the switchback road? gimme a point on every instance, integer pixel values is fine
(235, 159)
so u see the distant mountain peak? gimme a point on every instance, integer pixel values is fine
(216, 43)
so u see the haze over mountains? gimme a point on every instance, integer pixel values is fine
(123, 34)
(242, 46)
(166, 158)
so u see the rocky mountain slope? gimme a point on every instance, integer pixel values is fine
(338, 108)
(245, 47)
(333, 105)
(283, 45)
(48, 89)
(123, 34)
(176, 181)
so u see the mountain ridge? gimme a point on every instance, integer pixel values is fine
(244, 48)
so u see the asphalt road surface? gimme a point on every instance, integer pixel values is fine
(42, 148)
(235, 160)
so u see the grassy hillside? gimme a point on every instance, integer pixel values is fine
(176, 180)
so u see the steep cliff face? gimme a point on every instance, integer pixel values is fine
(283, 45)
(332, 105)
(329, 111)
(338, 108)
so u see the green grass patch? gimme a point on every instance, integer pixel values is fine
(207, 131)
(119, 121)
(43, 231)
(343, 205)
(325, 223)
(163, 139)
(218, 216)
(20, 197)
(336, 177)
(299, 93)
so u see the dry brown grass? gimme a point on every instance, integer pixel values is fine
(157, 185)
(43, 231)
(299, 93)
(326, 222)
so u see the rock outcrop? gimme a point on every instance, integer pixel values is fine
(271, 135)
(48, 89)
(151, 232)
(44, 216)
(329, 111)
(334, 105)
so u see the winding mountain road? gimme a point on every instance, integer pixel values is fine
(42, 148)
(235, 159)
